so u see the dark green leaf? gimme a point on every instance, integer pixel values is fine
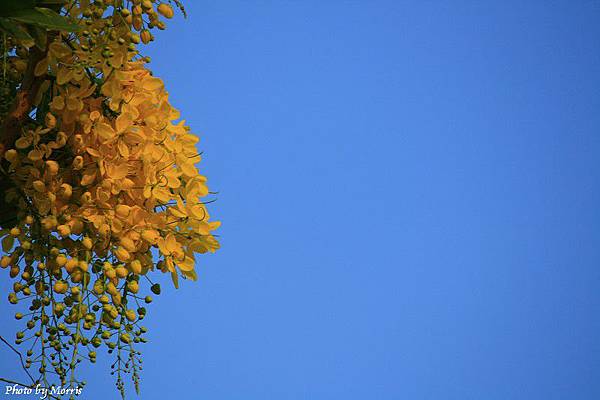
(40, 36)
(175, 279)
(7, 243)
(17, 31)
(44, 3)
(8, 7)
(44, 18)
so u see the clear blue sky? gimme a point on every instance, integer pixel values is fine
(410, 197)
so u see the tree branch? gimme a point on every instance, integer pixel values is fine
(20, 358)
(25, 369)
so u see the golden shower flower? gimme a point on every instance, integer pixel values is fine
(104, 182)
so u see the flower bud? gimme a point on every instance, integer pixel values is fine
(135, 38)
(76, 226)
(61, 260)
(146, 36)
(125, 338)
(98, 287)
(122, 210)
(130, 315)
(49, 223)
(133, 287)
(136, 267)
(39, 186)
(121, 272)
(78, 163)
(23, 142)
(52, 167)
(86, 198)
(110, 273)
(87, 243)
(63, 230)
(166, 10)
(128, 244)
(122, 254)
(5, 261)
(104, 230)
(12, 156)
(137, 23)
(61, 287)
(150, 235)
(77, 140)
(50, 120)
(71, 264)
(83, 266)
(111, 288)
(77, 276)
(65, 191)
(61, 139)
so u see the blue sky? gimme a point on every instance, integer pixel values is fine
(410, 197)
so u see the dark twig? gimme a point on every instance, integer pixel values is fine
(20, 358)
(25, 369)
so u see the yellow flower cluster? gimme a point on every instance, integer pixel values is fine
(128, 182)
(106, 187)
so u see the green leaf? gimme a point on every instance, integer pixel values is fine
(174, 278)
(44, 18)
(40, 36)
(8, 7)
(16, 31)
(190, 275)
(7, 243)
(44, 3)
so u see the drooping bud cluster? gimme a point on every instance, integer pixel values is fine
(106, 188)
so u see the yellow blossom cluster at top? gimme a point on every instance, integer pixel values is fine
(128, 182)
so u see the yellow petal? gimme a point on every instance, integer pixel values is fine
(63, 75)
(35, 155)
(187, 264)
(152, 83)
(161, 194)
(59, 50)
(88, 178)
(123, 122)
(23, 142)
(41, 67)
(105, 131)
(58, 103)
(123, 149)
